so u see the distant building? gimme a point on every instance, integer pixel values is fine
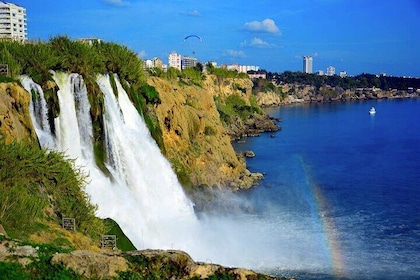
(242, 68)
(13, 22)
(90, 41)
(188, 61)
(148, 63)
(157, 62)
(343, 74)
(253, 75)
(246, 68)
(175, 60)
(331, 71)
(307, 64)
(320, 72)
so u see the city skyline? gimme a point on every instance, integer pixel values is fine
(379, 37)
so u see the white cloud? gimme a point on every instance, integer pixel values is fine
(117, 2)
(265, 26)
(193, 13)
(258, 43)
(141, 54)
(234, 53)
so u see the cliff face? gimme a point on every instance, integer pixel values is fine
(15, 121)
(194, 137)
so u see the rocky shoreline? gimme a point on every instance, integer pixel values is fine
(297, 93)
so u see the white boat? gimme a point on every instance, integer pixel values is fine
(372, 111)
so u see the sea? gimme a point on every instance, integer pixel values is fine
(341, 189)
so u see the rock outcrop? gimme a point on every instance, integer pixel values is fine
(15, 121)
(109, 264)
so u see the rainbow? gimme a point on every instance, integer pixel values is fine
(331, 234)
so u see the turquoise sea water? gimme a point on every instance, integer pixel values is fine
(347, 180)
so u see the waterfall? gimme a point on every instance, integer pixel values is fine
(164, 217)
(39, 112)
(142, 194)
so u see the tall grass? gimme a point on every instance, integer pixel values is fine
(32, 179)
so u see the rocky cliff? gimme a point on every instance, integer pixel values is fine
(196, 141)
(15, 121)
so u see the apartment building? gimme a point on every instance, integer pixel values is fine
(307, 64)
(175, 60)
(188, 61)
(13, 22)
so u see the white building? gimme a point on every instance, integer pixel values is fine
(188, 61)
(13, 22)
(343, 74)
(307, 64)
(242, 68)
(246, 68)
(331, 71)
(175, 60)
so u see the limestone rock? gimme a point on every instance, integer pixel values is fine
(194, 137)
(92, 265)
(15, 121)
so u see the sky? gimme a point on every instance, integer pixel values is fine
(356, 36)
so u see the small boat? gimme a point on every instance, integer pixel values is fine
(372, 111)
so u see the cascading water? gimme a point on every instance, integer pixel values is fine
(39, 112)
(143, 195)
(165, 216)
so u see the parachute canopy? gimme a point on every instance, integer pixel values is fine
(193, 36)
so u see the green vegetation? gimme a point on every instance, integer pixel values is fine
(360, 81)
(234, 105)
(37, 185)
(188, 76)
(264, 85)
(39, 268)
(123, 243)
(225, 73)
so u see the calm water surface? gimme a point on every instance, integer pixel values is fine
(345, 179)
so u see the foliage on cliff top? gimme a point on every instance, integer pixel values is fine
(38, 185)
(225, 73)
(64, 54)
(188, 76)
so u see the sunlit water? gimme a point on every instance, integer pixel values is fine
(348, 181)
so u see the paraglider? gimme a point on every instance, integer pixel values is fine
(193, 37)
(196, 36)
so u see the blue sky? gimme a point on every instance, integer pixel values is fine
(358, 36)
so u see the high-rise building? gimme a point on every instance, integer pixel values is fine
(12, 22)
(175, 60)
(307, 64)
